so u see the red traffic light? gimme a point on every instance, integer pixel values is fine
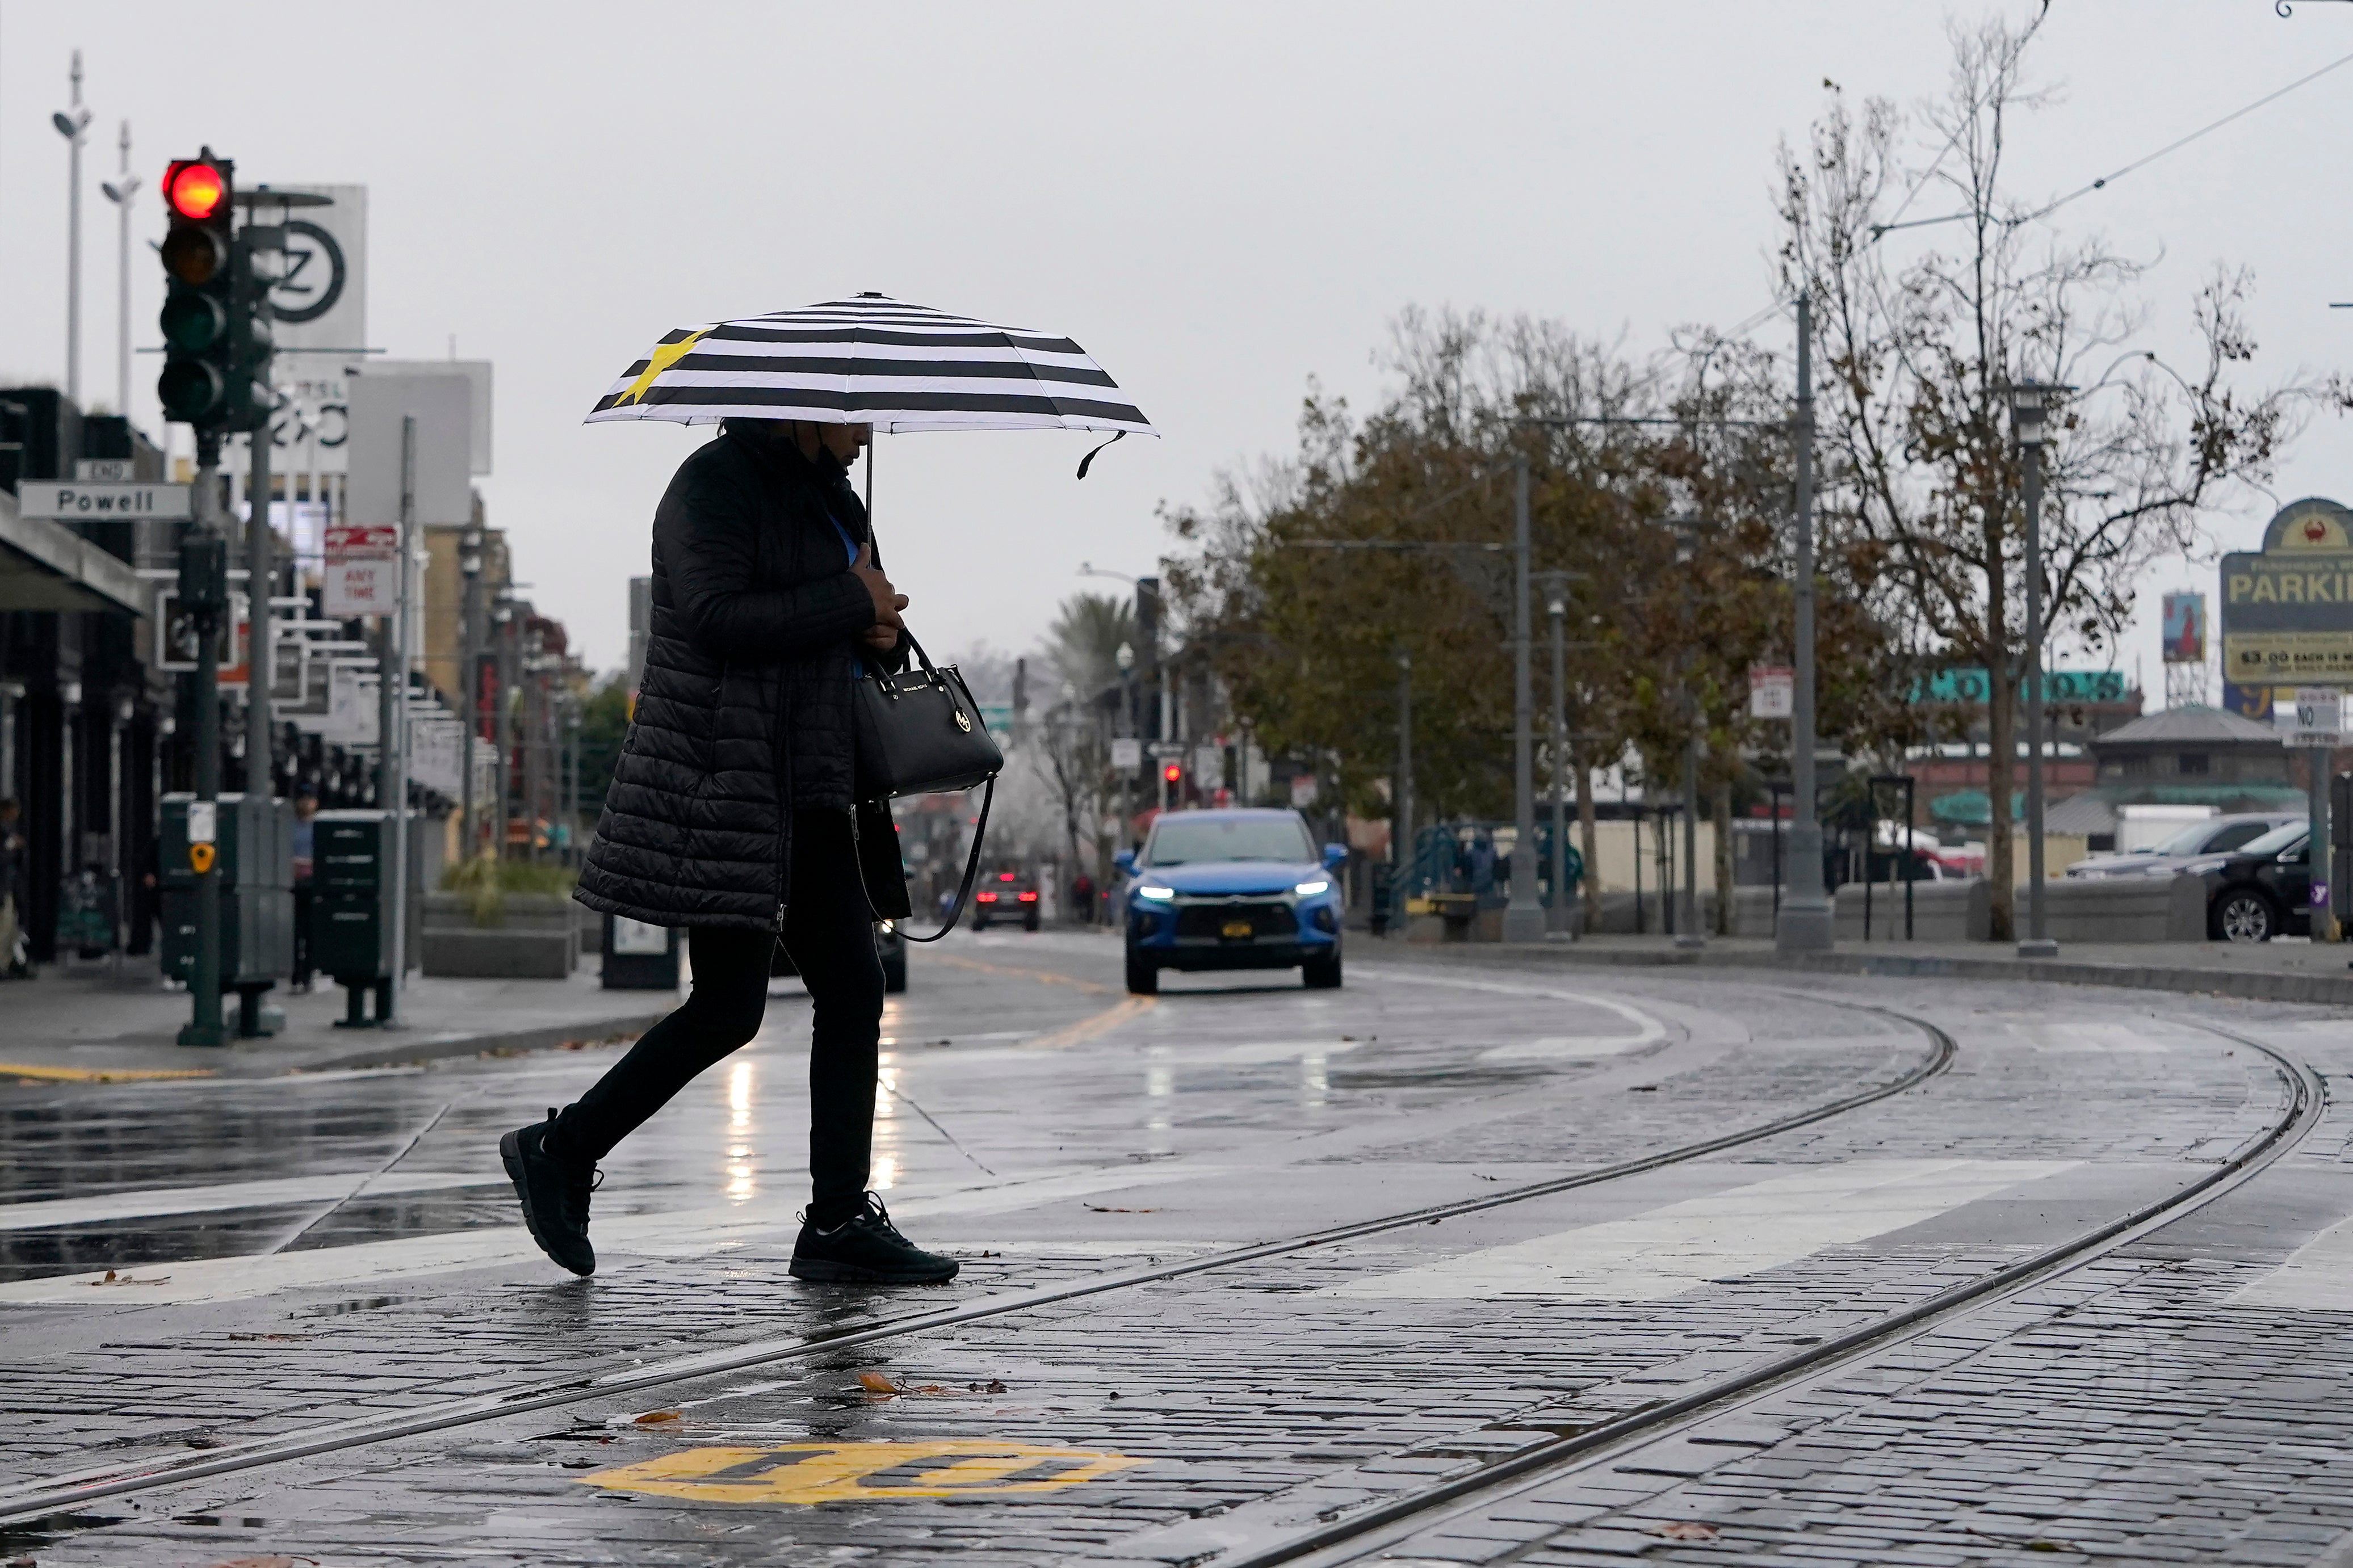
(195, 189)
(1171, 773)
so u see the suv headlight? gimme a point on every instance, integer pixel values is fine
(1309, 889)
(1157, 895)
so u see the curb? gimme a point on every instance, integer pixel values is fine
(2241, 984)
(396, 1050)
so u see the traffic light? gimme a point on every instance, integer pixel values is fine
(1172, 774)
(200, 293)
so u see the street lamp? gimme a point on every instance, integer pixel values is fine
(1687, 932)
(2028, 402)
(120, 190)
(1805, 922)
(1556, 611)
(470, 567)
(1125, 659)
(71, 124)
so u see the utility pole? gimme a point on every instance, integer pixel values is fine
(1524, 916)
(1805, 923)
(1401, 842)
(392, 732)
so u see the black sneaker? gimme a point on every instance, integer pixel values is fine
(867, 1249)
(554, 1193)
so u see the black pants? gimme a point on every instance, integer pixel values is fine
(829, 932)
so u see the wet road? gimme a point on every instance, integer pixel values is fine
(295, 1254)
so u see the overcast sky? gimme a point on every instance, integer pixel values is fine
(1217, 200)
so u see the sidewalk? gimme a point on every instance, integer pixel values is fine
(82, 1023)
(2274, 971)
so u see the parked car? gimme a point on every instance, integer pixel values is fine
(1007, 896)
(2260, 891)
(889, 946)
(1231, 889)
(2215, 835)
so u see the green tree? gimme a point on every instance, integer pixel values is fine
(603, 726)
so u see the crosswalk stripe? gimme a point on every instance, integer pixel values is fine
(1682, 1246)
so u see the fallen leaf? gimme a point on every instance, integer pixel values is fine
(878, 1382)
(656, 1417)
(1685, 1530)
(927, 1388)
(114, 1279)
(991, 1386)
(1642, 1089)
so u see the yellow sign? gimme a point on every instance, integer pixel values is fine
(2288, 609)
(847, 1472)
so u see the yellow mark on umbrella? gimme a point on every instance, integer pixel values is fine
(664, 356)
(844, 1472)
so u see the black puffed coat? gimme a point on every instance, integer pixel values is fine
(743, 710)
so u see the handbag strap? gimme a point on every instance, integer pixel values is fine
(970, 870)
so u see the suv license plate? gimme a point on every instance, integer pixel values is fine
(1236, 928)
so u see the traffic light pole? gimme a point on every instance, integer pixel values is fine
(203, 560)
(262, 573)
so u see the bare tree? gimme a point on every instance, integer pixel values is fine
(1920, 480)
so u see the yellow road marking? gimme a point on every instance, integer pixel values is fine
(98, 1075)
(1102, 1023)
(843, 1472)
(1046, 977)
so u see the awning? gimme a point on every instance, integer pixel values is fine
(47, 565)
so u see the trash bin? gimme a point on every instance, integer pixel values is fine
(351, 910)
(640, 957)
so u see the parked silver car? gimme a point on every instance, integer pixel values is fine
(2215, 835)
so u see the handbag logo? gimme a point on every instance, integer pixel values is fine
(963, 721)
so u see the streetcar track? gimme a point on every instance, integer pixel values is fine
(66, 1493)
(1383, 1524)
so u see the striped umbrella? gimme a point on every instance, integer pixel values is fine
(872, 361)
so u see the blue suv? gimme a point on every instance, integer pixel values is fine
(1231, 889)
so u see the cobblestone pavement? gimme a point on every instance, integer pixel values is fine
(2176, 1401)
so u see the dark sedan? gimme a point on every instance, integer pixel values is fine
(1006, 896)
(2261, 891)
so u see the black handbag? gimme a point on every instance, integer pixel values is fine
(919, 731)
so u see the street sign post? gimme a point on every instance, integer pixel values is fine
(60, 500)
(1772, 691)
(2319, 717)
(2320, 724)
(1127, 753)
(362, 569)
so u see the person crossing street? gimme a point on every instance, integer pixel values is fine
(734, 813)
